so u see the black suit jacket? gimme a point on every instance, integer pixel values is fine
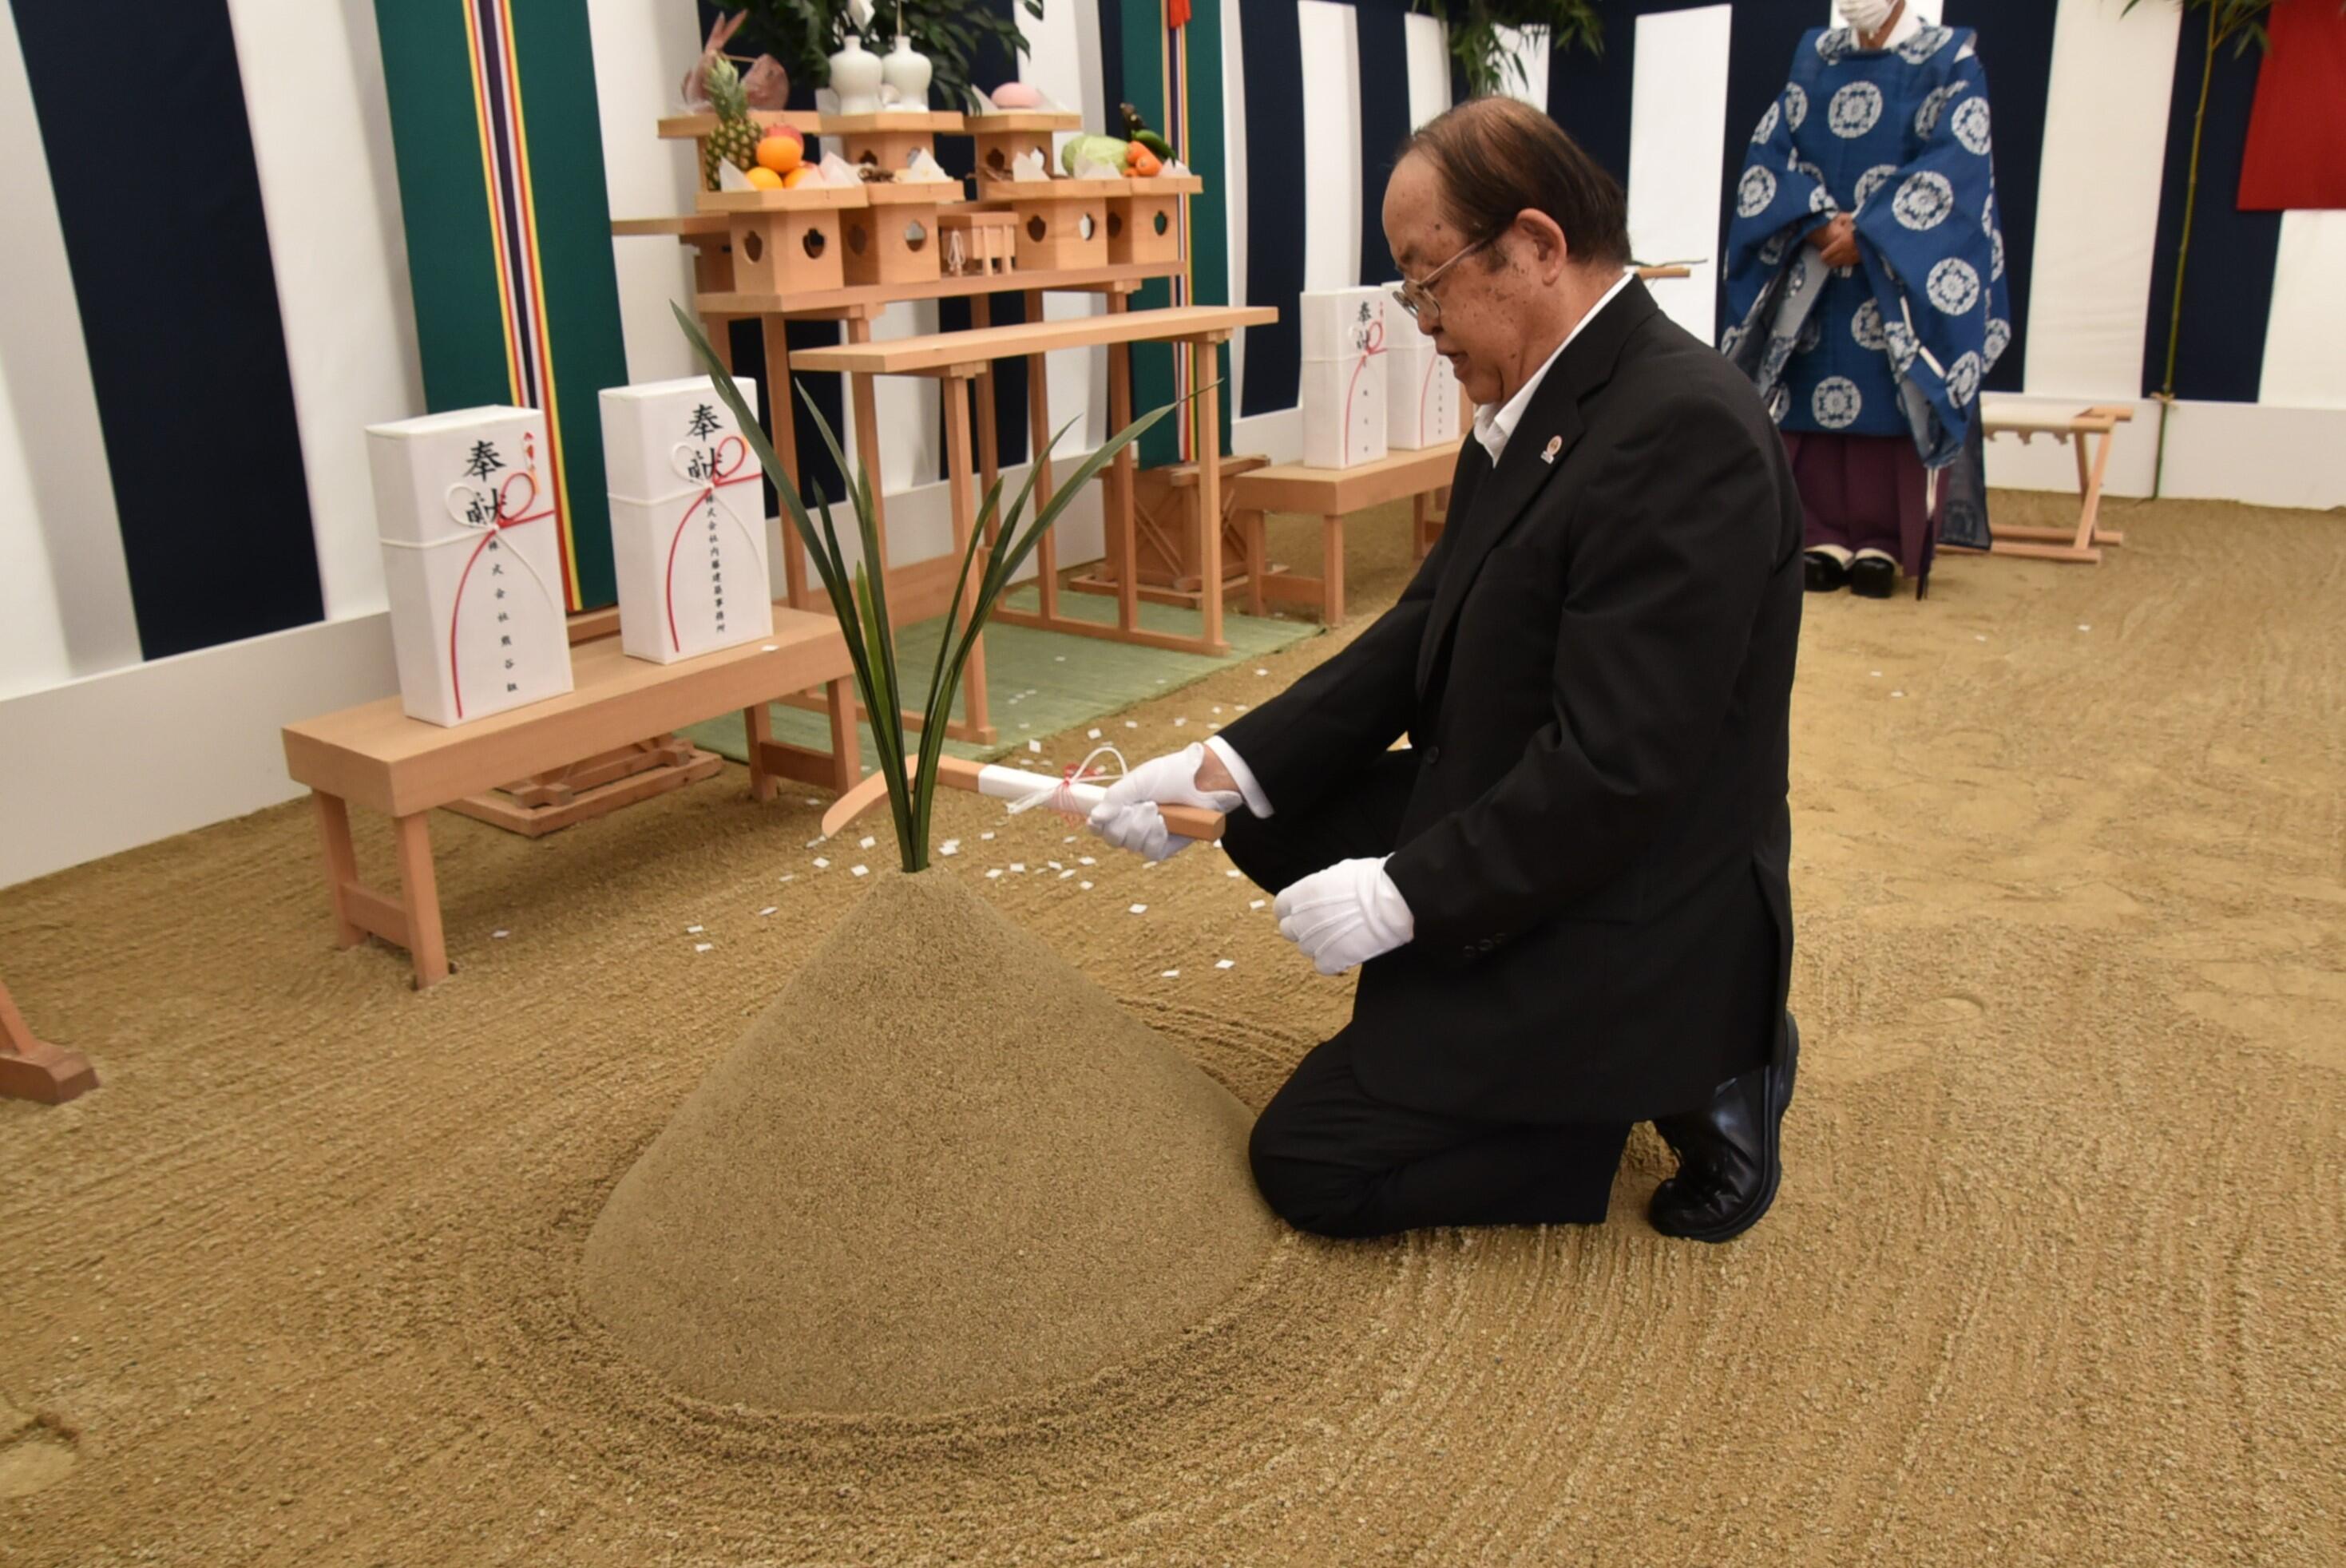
(1595, 666)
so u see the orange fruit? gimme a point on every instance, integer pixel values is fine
(780, 154)
(803, 174)
(764, 178)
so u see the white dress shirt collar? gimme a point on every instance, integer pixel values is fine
(1494, 426)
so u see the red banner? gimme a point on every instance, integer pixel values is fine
(2296, 156)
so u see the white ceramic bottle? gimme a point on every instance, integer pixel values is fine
(856, 77)
(908, 72)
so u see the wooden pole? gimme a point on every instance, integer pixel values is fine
(1038, 408)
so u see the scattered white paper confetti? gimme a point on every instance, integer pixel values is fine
(1132, 724)
(814, 842)
(499, 935)
(790, 876)
(1170, 974)
(811, 801)
(693, 929)
(866, 841)
(1058, 658)
(1180, 722)
(1035, 746)
(1018, 866)
(768, 910)
(2084, 627)
(1874, 673)
(861, 871)
(1068, 840)
(1054, 865)
(1139, 908)
(1213, 727)
(985, 835)
(1226, 963)
(1086, 861)
(1065, 875)
(1256, 905)
(1217, 710)
(950, 847)
(821, 864)
(1086, 886)
(1160, 681)
(702, 946)
(1262, 672)
(1979, 636)
(1232, 874)
(1897, 694)
(1241, 707)
(992, 874)
(769, 647)
(1091, 734)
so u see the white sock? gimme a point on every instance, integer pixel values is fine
(1837, 553)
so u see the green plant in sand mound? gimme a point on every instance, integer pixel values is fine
(862, 600)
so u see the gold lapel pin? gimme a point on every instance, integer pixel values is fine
(1555, 445)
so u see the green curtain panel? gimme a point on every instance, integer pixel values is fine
(500, 156)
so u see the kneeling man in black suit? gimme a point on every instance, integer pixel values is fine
(1569, 894)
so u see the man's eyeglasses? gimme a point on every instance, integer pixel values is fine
(1418, 298)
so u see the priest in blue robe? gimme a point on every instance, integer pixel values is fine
(1866, 289)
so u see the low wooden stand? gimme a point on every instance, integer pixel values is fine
(2093, 431)
(378, 756)
(32, 1069)
(1332, 492)
(1165, 530)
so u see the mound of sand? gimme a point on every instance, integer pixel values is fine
(944, 1168)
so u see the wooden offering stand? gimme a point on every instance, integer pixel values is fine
(2095, 432)
(1005, 136)
(31, 1069)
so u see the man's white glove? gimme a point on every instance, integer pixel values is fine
(1128, 818)
(1345, 915)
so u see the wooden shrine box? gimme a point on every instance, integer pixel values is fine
(1062, 223)
(1144, 220)
(890, 138)
(895, 239)
(786, 241)
(986, 242)
(1005, 137)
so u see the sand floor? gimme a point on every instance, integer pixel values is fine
(2055, 1275)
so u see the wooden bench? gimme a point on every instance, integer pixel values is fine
(1332, 493)
(377, 756)
(2093, 429)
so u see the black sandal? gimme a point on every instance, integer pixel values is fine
(1826, 573)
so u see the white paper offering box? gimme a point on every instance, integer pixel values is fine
(1420, 388)
(1344, 390)
(687, 520)
(465, 506)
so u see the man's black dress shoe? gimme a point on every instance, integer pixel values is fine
(1730, 1154)
(1826, 573)
(1873, 577)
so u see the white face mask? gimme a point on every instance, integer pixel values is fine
(1865, 15)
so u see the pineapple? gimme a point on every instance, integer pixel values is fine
(735, 139)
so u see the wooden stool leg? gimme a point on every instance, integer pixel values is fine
(1122, 541)
(418, 893)
(1331, 570)
(1209, 446)
(782, 431)
(333, 816)
(1417, 517)
(846, 743)
(1257, 565)
(958, 477)
(867, 440)
(1039, 407)
(758, 722)
(2086, 497)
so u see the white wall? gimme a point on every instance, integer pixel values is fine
(2305, 340)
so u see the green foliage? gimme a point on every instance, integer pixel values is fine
(803, 33)
(860, 600)
(2238, 22)
(1483, 55)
